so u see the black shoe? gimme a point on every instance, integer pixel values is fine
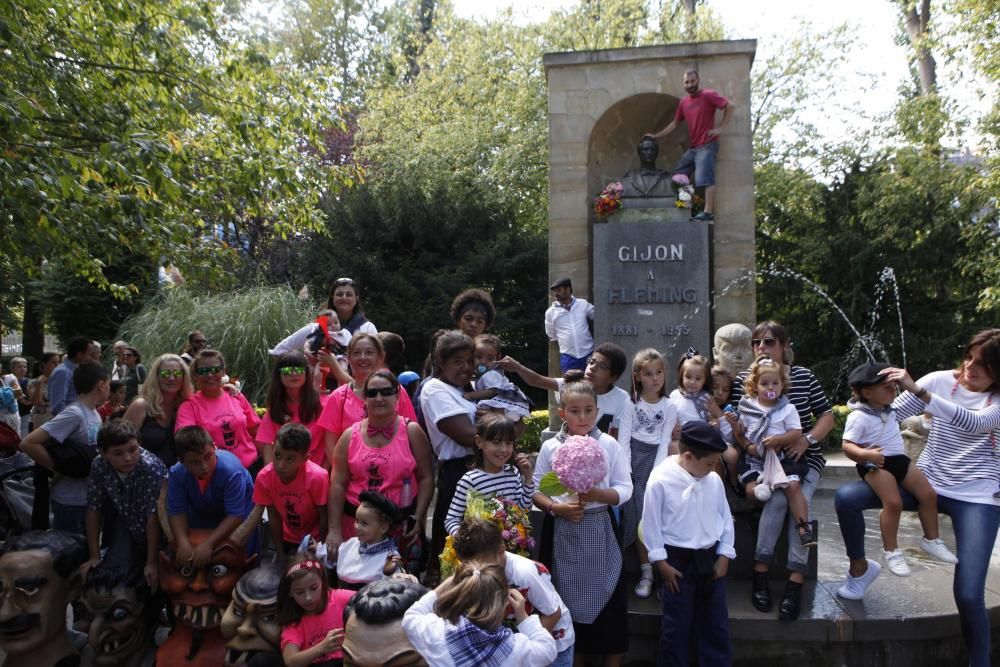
(791, 604)
(760, 598)
(807, 532)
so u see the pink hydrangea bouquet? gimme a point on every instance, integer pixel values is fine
(577, 466)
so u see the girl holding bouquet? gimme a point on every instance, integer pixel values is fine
(580, 474)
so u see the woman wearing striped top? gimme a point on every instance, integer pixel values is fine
(962, 462)
(816, 415)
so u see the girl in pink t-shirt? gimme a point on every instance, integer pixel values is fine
(228, 418)
(311, 615)
(292, 397)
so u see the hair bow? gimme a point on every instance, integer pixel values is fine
(691, 353)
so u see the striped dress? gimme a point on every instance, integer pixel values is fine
(507, 484)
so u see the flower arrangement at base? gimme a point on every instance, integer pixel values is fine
(683, 189)
(610, 200)
(510, 518)
(577, 465)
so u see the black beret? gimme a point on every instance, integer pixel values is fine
(867, 375)
(702, 435)
(562, 282)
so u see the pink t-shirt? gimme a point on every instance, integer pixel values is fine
(227, 419)
(699, 114)
(345, 409)
(299, 502)
(268, 431)
(312, 629)
(381, 469)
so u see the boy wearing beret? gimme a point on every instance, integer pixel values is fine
(688, 530)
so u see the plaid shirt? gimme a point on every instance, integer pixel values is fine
(133, 497)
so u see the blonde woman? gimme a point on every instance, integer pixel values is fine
(155, 408)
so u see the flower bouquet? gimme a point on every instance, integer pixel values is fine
(683, 189)
(577, 466)
(609, 201)
(511, 518)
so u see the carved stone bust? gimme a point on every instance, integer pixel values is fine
(732, 349)
(647, 180)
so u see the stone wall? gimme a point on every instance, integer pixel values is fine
(600, 103)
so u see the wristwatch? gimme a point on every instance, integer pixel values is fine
(810, 439)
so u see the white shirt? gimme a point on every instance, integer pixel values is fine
(568, 327)
(438, 401)
(783, 420)
(533, 645)
(688, 411)
(682, 510)
(355, 568)
(653, 424)
(868, 431)
(617, 477)
(297, 340)
(534, 582)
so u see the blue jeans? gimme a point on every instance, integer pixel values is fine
(70, 518)
(701, 161)
(774, 517)
(975, 527)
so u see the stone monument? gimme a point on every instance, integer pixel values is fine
(651, 284)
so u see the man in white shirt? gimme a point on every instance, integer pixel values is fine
(568, 322)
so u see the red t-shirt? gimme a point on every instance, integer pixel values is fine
(698, 111)
(312, 629)
(268, 431)
(298, 502)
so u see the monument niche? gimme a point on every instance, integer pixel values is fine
(652, 269)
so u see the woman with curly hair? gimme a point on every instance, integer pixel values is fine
(473, 312)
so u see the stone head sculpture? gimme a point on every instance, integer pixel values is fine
(732, 349)
(39, 576)
(373, 630)
(250, 624)
(124, 615)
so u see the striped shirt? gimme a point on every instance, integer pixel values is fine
(507, 484)
(961, 459)
(809, 400)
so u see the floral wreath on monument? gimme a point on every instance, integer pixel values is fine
(510, 518)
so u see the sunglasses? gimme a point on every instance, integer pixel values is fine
(342, 281)
(292, 370)
(209, 370)
(170, 373)
(766, 342)
(381, 391)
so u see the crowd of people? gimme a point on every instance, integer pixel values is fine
(346, 460)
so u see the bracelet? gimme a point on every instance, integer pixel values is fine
(551, 511)
(922, 393)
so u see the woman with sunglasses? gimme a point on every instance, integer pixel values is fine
(383, 452)
(135, 372)
(816, 415)
(346, 405)
(961, 463)
(155, 408)
(228, 417)
(292, 397)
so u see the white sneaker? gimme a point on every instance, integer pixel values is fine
(938, 549)
(896, 562)
(854, 587)
(644, 588)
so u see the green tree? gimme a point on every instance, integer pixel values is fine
(149, 129)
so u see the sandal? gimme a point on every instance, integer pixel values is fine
(644, 588)
(807, 532)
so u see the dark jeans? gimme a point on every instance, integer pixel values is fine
(698, 609)
(975, 527)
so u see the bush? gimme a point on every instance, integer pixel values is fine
(531, 439)
(243, 326)
(836, 436)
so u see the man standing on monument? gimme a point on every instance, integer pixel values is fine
(567, 321)
(698, 111)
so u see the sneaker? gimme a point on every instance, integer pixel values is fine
(854, 587)
(703, 217)
(896, 562)
(644, 588)
(938, 549)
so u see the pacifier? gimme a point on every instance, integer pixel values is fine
(771, 395)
